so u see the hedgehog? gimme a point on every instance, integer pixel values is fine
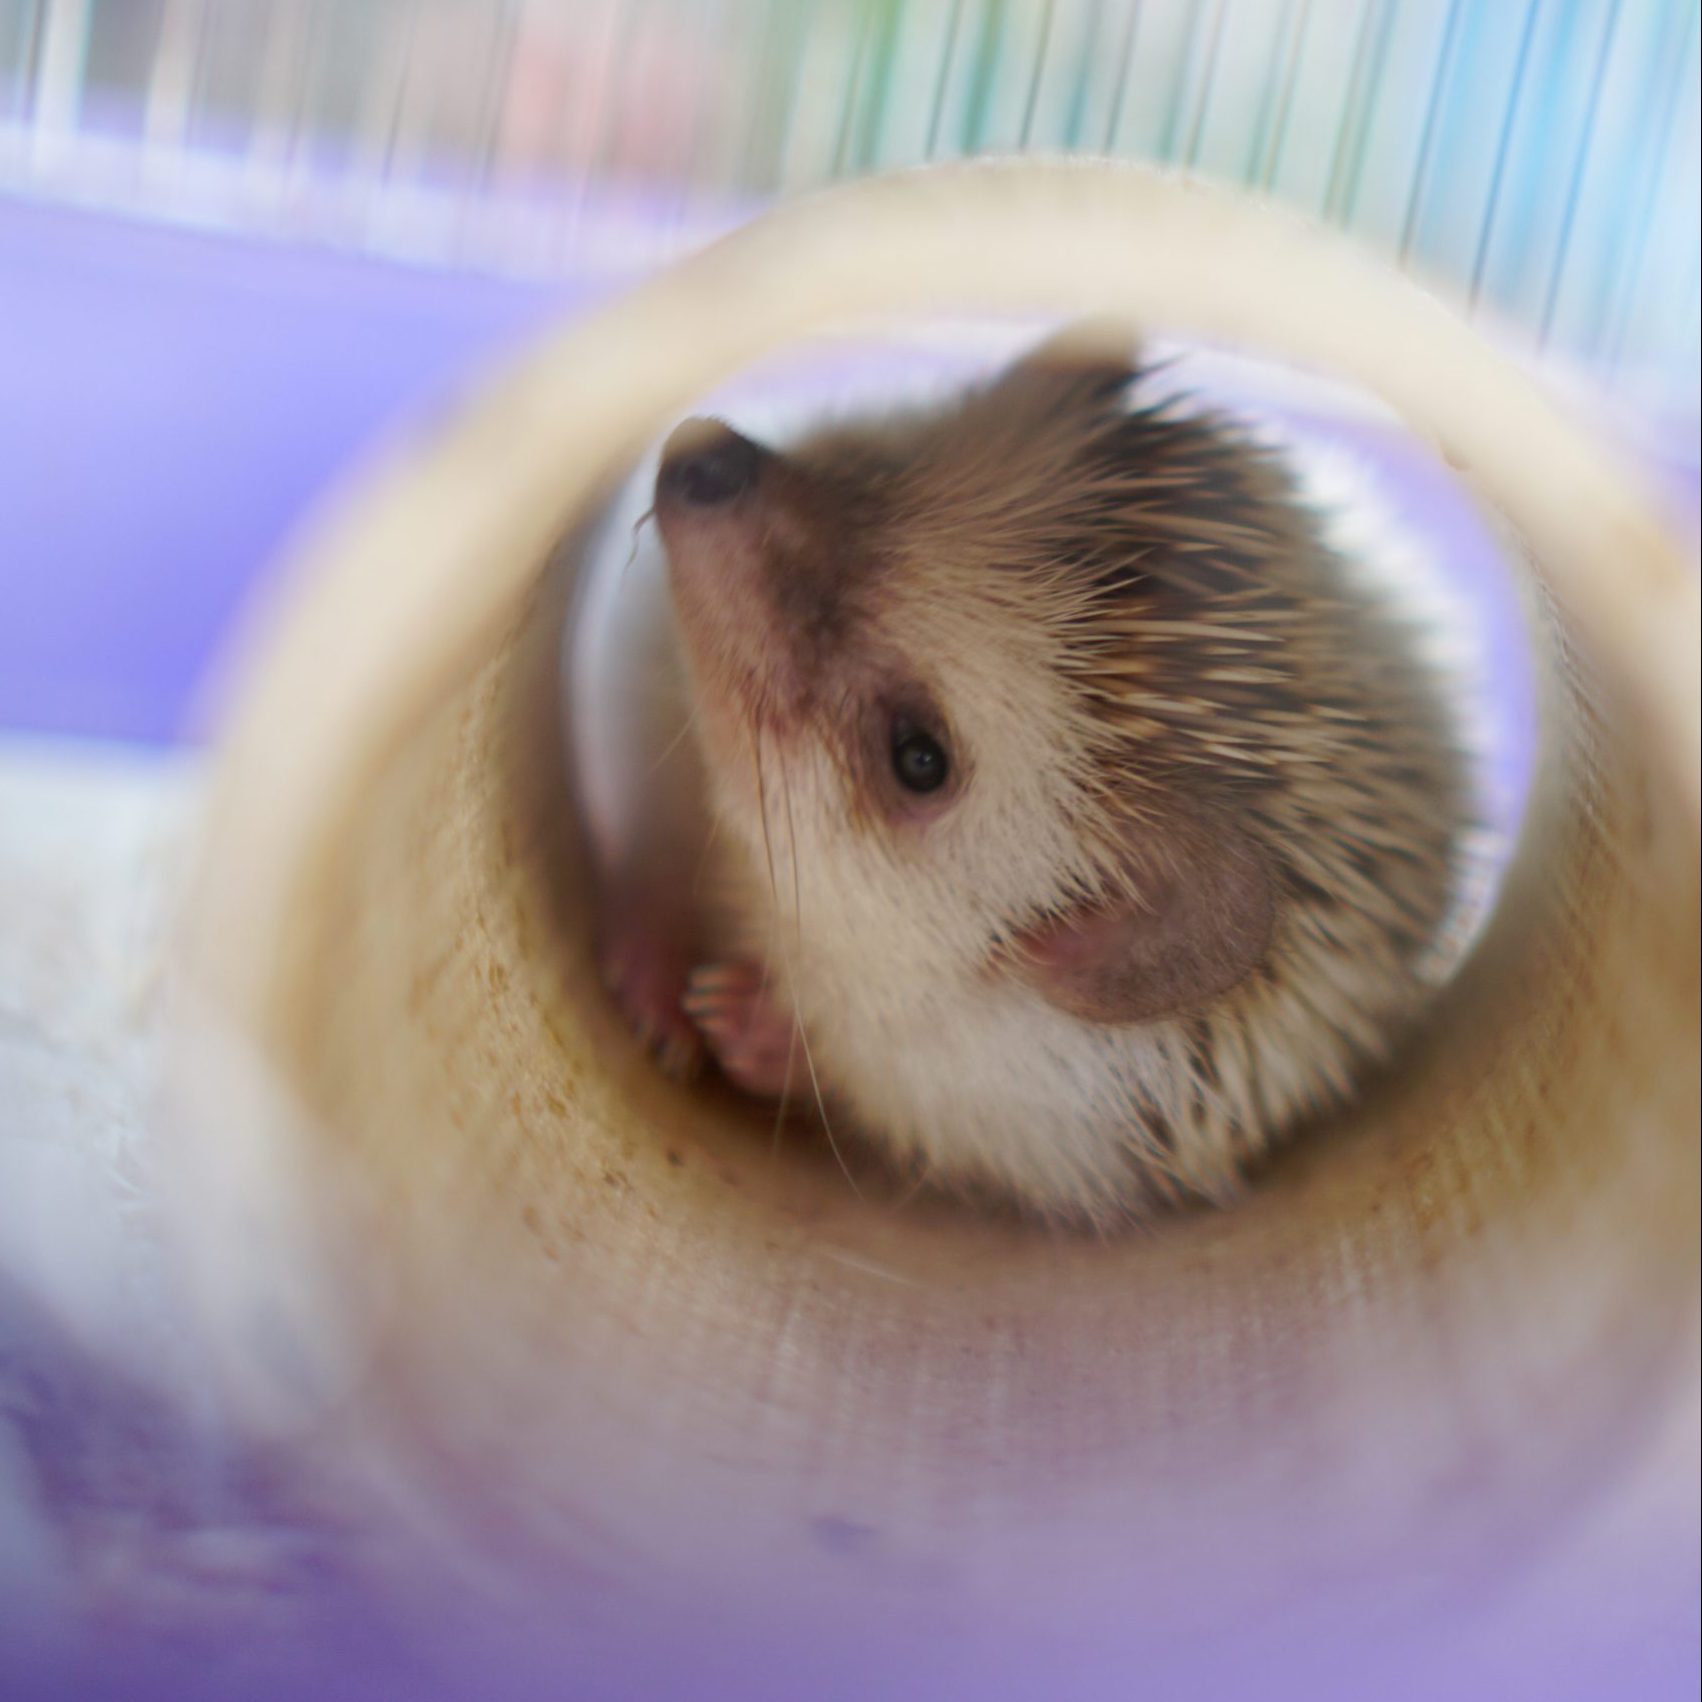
(1062, 817)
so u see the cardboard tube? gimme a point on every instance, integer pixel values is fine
(1443, 1360)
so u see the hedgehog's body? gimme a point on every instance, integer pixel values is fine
(1177, 803)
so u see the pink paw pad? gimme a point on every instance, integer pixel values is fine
(753, 1037)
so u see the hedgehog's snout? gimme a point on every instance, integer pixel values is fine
(714, 514)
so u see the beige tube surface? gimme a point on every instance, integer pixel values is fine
(441, 1208)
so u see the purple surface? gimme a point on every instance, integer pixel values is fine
(169, 405)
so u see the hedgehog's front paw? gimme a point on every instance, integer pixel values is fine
(753, 1036)
(645, 972)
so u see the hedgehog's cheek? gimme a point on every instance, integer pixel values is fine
(1173, 934)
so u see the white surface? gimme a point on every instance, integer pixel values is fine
(88, 843)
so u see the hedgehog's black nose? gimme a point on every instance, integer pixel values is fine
(705, 463)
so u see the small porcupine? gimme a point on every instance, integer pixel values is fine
(1081, 821)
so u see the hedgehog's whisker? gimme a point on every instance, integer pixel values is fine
(779, 941)
(821, 1104)
(773, 888)
(762, 811)
(792, 852)
(675, 742)
(637, 526)
(798, 925)
(785, 1085)
(704, 855)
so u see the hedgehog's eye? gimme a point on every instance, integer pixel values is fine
(918, 759)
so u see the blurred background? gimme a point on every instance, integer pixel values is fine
(237, 236)
(1540, 153)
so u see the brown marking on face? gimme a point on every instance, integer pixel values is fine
(770, 562)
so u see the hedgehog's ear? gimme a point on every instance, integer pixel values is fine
(1188, 919)
(1090, 363)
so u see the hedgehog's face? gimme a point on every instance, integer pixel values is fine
(897, 638)
(883, 723)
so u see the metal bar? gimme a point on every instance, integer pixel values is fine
(777, 89)
(1355, 104)
(29, 57)
(165, 111)
(600, 158)
(1268, 87)
(1085, 62)
(1439, 81)
(988, 45)
(1207, 79)
(1291, 77)
(947, 54)
(1039, 72)
(704, 173)
(279, 62)
(498, 64)
(883, 51)
(1664, 130)
(1509, 118)
(1125, 60)
(61, 57)
(1575, 186)
(853, 87)
(1379, 65)
(1185, 66)
(380, 124)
